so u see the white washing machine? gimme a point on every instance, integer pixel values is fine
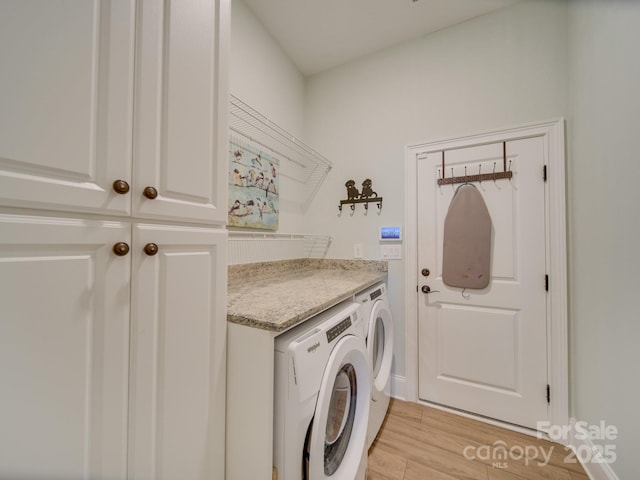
(379, 339)
(322, 392)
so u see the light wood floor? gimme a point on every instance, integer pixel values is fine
(423, 443)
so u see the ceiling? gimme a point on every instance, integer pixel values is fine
(321, 34)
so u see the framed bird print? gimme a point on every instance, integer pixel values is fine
(254, 199)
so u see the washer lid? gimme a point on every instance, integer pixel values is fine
(338, 435)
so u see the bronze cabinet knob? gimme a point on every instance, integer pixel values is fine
(150, 249)
(121, 187)
(121, 249)
(150, 193)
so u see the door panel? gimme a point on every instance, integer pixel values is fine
(66, 126)
(182, 108)
(63, 349)
(178, 355)
(464, 332)
(484, 351)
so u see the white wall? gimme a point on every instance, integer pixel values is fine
(499, 70)
(604, 224)
(262, 76)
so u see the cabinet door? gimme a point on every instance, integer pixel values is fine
(64, 348)
(178, 354)
(66, 115)
(181, 128)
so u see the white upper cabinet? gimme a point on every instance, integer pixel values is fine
(67, 103)
(181, 127)
(99, 91)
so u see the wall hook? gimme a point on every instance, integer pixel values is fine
(355, 196)
(466, 178)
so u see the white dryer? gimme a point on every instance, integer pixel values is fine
(321, 400)
(379, 339)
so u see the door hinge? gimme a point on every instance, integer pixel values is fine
(548, 393)
(544, 173)
(546, 283)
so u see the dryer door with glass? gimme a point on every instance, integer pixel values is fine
(336, 442)
(380, 345)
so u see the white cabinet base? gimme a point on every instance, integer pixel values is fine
(178, 354)
(64, 348)
(250, 378)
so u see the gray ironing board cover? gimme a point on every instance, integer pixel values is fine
(466, 259)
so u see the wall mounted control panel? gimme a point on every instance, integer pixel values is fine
(391, 243)
(390, 233)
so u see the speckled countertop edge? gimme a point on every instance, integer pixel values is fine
(277, 295)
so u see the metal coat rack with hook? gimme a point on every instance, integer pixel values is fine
(479, 177)
(354, 196)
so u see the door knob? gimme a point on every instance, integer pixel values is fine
(121, 249)
(426, 272)
(121, 187)
(150, 249)
(150, 193)
(427, 289)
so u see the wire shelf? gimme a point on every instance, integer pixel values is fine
(251, 247)
(301, 166)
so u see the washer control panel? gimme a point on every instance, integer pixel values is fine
(337, 329)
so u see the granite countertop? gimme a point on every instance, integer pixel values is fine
(275, 296)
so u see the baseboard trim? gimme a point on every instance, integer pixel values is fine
(585, 449)
(398, 387)
(480, 418)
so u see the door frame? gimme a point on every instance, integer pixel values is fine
(556, 259)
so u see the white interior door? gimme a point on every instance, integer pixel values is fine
(484, 351)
